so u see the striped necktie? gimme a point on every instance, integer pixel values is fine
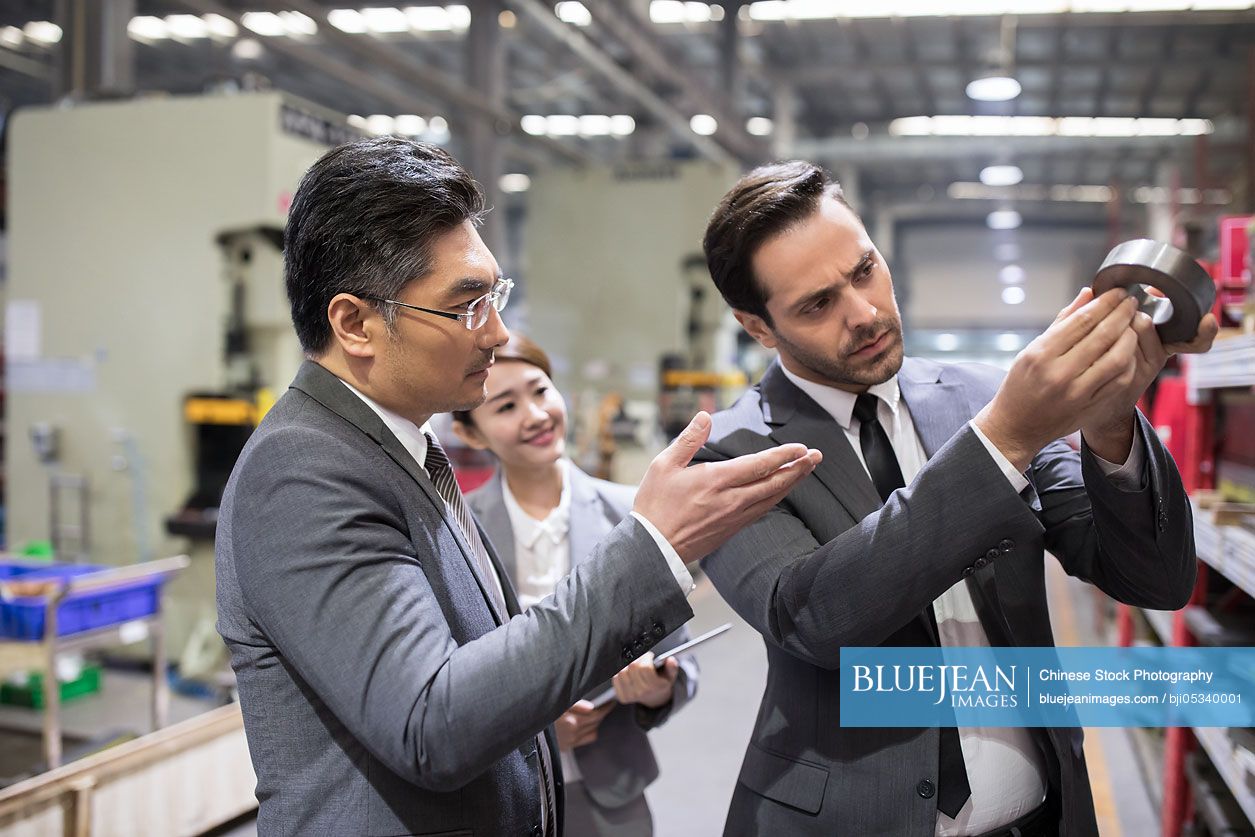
(441, 473)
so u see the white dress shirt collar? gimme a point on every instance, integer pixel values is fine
(839, 403)
(412, 437)
(527, 529)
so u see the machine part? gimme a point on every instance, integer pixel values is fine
(1189, 291)
(46, 438)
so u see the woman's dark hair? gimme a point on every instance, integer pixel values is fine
(519, 348)
(363, 221)
(765, 202)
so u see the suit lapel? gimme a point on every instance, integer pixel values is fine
(938, 409)
(495, 521)
(795, 417)
(589, 523)
(330, 391)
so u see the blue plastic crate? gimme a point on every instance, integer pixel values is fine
(22, 617)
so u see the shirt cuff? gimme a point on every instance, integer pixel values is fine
(1018, 481)
(682, 575)
(1128, 475)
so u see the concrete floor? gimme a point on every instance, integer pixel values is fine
(699, 751)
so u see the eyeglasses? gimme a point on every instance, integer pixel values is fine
(476, 312)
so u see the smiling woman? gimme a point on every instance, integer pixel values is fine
(541, 513)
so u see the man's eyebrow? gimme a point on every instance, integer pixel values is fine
(866, 257)
(467, 286)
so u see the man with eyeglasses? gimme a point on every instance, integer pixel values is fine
(389, 683)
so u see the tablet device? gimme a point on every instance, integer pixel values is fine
(608, 695)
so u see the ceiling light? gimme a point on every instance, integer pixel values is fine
(426, 19)
(506, 19)
(1001, 175)
(222, 27)
(42, 32)
(147, 28)
(388, 19)
(1003, 219)
(703, 124)
(247, 49)
(515, 182)
(1011, 274)
(759, 126)
(379, 124)
(946, 342)
(573, 12)
(1008, 341)
(621, 125)
(298, 24)
(347, 20)
(860, 131)
(409, 124)
(562, 125)
(533, 123)
(185, 26)
(438, 130)
(1013, 295)
(264, 23)
(459, 16)
(993, 89)
(11, 36)
(594, 125)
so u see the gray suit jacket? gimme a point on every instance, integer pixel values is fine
(620, 764)
(382, 694)
(830, 567)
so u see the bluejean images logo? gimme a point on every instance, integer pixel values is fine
(1047, 687)
(964, 686)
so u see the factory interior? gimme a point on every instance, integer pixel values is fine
(994, 150)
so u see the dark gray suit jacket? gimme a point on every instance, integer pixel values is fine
(620, 764)
(382, 695)
(830, 567)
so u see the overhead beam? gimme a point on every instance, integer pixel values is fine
(542, 15)
(393, 59)
(10, 60)
(622, 23)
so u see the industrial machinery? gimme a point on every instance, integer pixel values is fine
(144, 275)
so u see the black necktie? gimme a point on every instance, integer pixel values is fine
(882, 463)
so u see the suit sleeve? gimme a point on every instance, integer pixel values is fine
(810, 599)
(334, 577)
(1134, 543)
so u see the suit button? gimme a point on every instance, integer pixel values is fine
(658, 631)
(979, 562)
(992, 554)
(925, 789)
(536, 832)
(1006, 545)
(627, 652)
(967, 572)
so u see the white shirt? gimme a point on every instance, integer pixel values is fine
(542, 555)
(1004, 767)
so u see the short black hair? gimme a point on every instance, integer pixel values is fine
(363, 221)
(766, 201)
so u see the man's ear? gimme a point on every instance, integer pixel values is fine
(355, 325)
(756, 327)
(470, 435)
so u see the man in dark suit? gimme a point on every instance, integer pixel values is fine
(942, 487)
(388, 683)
